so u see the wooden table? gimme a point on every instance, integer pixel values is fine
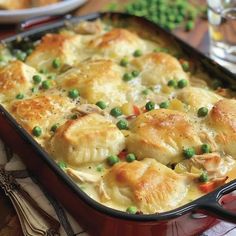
(9, 224)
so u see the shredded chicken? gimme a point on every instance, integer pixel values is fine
(82, 176)
(103, 194)
(209, 138)
(215, 165)
(85, 109)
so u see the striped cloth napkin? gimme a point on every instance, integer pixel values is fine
(13, 164)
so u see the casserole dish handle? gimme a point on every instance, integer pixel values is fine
(221, 203)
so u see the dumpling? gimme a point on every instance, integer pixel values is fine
(15, 78)
(147, 184)
(159, 68)
(222, 119)
(162, 134)
(43, 110)
(117, 43)
(198, 97)
(55, 46)
(96, 80)
(90, 138)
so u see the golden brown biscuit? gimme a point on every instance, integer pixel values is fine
(198, 97)
(96, 80)
(117, 43)
(222, 119)
(90, 138)
(43, 110)
(15, 78)
(147, 184)
(63, 47)
(159, 68)
(162, 135)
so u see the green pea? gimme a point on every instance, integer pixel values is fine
(122, 124)
(164, 104)
(73, 93)
(189, 25)
(182, 12)
(112, 160)
(62, 165)
(192, 14)
(100, 168)
(130, 157)
(172, 83)
(170, 25)
(181, 5)
(135, 73)
(37, 79)
(20, 96)
(204, 177)
(162, 8)
(51, 77)
(29, 51)
(202, 112)
(171, 18)
(37, 131)
(74, 117)
(127, 77)
(21, 55)
(182, 83)
(179, 19)
(54, 127)
(46, 84)
(34, 90)
(206, 148)
(185, 66)
(43, 71)
(116, 112)
(189, 152)
(124, 61)
(56, 63)
(150, 106)
(163, 21)
(101, 104)
(132, 210)
(137, 53)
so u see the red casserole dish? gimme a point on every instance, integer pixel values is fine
(96, 218)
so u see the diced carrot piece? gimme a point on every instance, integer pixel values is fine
(136, 110)
(210, 186)
(207, 187)
(122, 154)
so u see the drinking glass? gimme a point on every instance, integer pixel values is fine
(222, 32)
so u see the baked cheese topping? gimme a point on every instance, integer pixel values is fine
(136, 125)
